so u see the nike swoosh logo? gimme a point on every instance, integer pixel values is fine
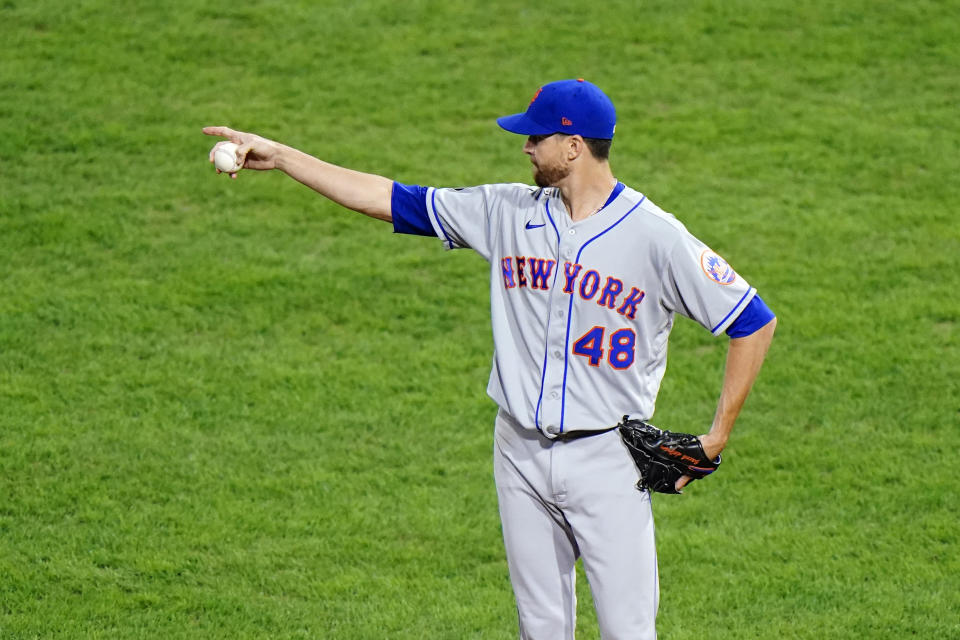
(534, 226)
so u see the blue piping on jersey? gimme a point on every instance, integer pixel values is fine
(735, 307)
(566, 348)
(433, 204)
(554, 225)
(553, 287)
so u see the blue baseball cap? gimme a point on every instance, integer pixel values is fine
(573, 107)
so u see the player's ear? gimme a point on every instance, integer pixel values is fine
(575, 146)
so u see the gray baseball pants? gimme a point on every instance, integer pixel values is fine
(563, 500)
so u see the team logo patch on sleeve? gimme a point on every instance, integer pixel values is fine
(717, 268)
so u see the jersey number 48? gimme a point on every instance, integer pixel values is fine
(621, 349)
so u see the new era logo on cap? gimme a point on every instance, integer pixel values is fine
(574, 107)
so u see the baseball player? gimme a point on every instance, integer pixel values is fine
(586, 277)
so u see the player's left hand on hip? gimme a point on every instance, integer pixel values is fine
(712, 445)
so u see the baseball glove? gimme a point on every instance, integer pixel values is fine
(664, 456)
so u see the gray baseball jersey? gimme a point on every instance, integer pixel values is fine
(581, 311)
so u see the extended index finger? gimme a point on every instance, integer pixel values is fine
(224, 132)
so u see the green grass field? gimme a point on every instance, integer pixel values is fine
(235, 410)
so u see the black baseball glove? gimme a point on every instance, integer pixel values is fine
(664, 456)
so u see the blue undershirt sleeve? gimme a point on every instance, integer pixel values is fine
(408, 205)
(754, 316)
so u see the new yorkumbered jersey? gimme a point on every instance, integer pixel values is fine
(581, 312)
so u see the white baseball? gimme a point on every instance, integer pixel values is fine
(225, 157)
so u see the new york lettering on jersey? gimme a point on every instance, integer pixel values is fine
(518, 271)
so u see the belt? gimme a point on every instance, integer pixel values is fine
(566, 436)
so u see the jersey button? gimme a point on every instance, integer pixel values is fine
(554, 395)
(558, 354)
(552, 430)
(572, 231)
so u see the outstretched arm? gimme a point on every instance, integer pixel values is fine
(364, 192)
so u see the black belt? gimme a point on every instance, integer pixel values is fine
(566, 436)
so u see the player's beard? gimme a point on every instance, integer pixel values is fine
(550, 176)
